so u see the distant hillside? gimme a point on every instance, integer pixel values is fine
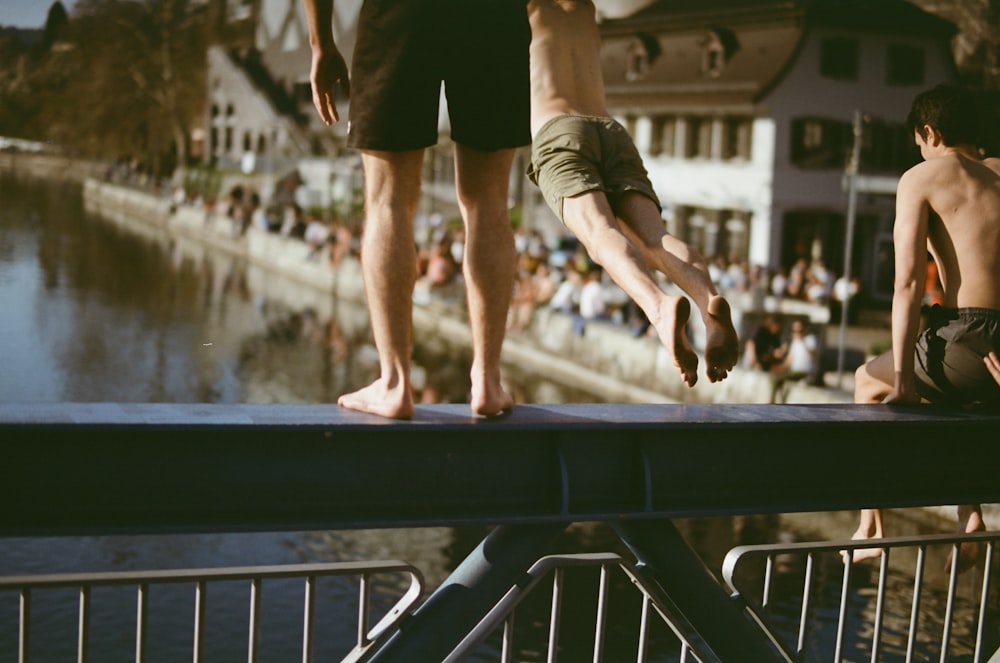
(26, 36)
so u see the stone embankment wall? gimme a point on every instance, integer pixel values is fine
(606, 360)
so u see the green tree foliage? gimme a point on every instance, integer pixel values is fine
(55, 24)
(132, 80)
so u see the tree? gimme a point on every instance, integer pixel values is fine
(55, 24)
(132, 80)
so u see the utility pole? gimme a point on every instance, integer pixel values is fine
(853, 167)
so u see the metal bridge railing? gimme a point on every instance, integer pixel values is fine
(504, 613)
(368, 636)
(756, 572)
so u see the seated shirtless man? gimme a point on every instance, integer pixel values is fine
(948, 204)
(592, 177)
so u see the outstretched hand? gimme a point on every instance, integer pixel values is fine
(328, 69)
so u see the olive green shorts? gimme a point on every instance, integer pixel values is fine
(573, 154)
(949, 361)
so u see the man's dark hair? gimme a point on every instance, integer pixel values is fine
(951, 110)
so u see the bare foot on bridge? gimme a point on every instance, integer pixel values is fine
(970, 519)
(722, 346)
(394, 401)
(489, 398)
(670, 327)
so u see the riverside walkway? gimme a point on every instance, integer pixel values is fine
(125, 468)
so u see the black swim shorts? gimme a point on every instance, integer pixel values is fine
(406, 49)
(949, 361)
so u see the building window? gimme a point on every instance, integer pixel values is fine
(714, 232)
(718, 46)
(247, 141)
(630, 125)
(698, 138)
(664, 135)
(228, 144)
(737, 139)
(904, 65)
(887, 147)
(839, 58)
(820, 142)
(642, 53)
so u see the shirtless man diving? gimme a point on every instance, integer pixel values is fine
(949, 204)
(592, 177)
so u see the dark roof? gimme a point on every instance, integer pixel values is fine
(760, 39)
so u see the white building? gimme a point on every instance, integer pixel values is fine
(743, 111)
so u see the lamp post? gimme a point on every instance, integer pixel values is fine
(853, 166)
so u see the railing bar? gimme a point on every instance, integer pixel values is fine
(507, 646)
(84, 625)
(308, 613)
(883, 574)
(845, 588)
(557, 594)
(24, 626)
(804, 616)
(984, 598)
(918, 582)
(200, 596)
(254, 630)
(643, 629)
(768, 577)
(950, 603)
(364, 596)
(117, 578)
(602, 614)
(141, 620)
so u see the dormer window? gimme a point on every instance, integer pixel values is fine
(717, 48)
(642, 53)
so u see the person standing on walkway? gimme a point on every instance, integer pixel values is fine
(948, 204)
(592, 176)
(405, 51)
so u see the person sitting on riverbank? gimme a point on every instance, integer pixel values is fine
(950, 204)
(799, 362)
(592, 177)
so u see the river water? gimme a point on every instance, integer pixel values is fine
(95, 313)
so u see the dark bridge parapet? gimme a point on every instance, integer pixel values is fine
(75, 468)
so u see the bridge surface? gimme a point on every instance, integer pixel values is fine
(87, 468)
(125, 468)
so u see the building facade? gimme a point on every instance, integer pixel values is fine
(743, 112)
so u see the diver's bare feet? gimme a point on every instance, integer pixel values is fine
(489, 398)
(670, 327)
(870, 528)
(380, 398)
(970, 519)
(722, 346)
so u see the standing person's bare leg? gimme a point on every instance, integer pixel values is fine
(489, 267)
(970, 519)
(871, 386)
(873, 380)
(590, 218)
(870, 527)
(388, 266)
(685, 266)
